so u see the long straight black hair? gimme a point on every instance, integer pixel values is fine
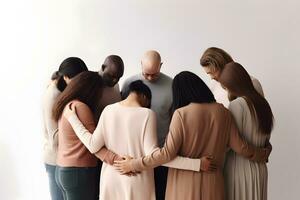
(189, 88)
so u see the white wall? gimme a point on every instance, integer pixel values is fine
(36, 35)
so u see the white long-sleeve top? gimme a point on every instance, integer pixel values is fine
(50, 125)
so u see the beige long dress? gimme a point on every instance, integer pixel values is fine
(245, 179)
(198, 130)
(126, 131)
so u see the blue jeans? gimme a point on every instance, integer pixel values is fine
(77, 183)
(55, 191)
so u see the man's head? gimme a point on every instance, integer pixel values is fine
(151, 64)
(213, 61)
(112, 70)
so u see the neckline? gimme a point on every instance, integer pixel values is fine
(131, 107)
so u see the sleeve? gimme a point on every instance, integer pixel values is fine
(50, 125)
(107, 156)
(168, 152)
(91, 138)
(184, 163)
(240, 146)
(51, 129)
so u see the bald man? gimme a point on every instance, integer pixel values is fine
(161, 88)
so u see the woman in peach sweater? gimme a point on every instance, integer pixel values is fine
(76, 166)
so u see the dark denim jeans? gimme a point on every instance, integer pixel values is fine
(77, 183)
(55, 191)
(160, 177)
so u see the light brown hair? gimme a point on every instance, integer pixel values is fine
(239, 84)
(216, 58)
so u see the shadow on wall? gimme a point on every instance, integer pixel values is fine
(9, 187)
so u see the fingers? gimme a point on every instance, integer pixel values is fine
(121, 171)
(125, 172)
(69, 106)
(119, 162)
(72, 106)
(212, 168)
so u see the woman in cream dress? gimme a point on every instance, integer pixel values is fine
(245, 179)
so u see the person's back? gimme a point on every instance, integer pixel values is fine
(199, 127)
(206, 130)
(161, 102)
(124, 129)
(242, 174)
(71, 151)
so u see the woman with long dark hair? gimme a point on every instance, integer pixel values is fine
(199, 127)
(245, 179)
(68, 69)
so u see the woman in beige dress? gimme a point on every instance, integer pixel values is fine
(199, 126)
(245, 179)
(127, 128)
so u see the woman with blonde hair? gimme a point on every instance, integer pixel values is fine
(213, 61)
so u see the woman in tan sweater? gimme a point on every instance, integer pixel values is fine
(199, 126)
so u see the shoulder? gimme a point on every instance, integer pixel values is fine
(257, 85)
(237, 104)
(166, 78)
(238, 101)
(80, 106)
(117, 87)
(110, 107)
(132, 78)
(150, 114)
(127, 81)
(255, 81)
(180, 112)
(52, 91)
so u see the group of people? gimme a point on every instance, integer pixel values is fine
(157, 137)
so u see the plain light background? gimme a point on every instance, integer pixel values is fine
(36, 35)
